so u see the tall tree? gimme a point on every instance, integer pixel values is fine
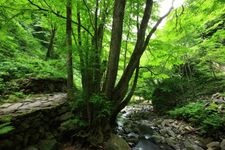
(69, 50)
(115, 46)
(142, 41)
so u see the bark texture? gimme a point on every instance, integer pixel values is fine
(115, 46)
(69, 50)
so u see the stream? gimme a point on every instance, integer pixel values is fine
(139, 136)
(144, 130)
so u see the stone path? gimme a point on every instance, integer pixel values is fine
(42, 102)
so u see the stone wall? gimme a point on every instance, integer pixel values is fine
(38, 129)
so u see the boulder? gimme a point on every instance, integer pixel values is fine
(158, 138)
(222, 144)
(171, 141)
(116, 143)
(192, 146)
(213, 145)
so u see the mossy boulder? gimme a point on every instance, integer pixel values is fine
(116, 143)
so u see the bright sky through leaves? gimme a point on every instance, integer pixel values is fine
(165, 6)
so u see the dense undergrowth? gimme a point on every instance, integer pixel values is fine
(209, 117)
(22, 56)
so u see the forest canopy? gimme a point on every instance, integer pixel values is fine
(104, 52)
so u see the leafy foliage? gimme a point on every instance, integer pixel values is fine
(74, 123)
(102, 105)
(167, 94)
(6, 128)
(207, 117)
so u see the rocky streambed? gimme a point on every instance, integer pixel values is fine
(144, 130)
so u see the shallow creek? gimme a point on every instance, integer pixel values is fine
(135, 132)
(144, 130)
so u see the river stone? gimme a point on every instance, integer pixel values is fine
(132, 135)
(158, 138)
(116, 143)
(171, 133)
(192, 146)
(222, 144)
(171, 141)
(163, 132)
(214, 145)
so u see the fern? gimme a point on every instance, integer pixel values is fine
(6, 128)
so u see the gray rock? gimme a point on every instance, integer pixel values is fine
(145, 144)
(132, 135)
(192, 146)
(5, 105)
(167, 122)
(163, 132)
(12, 108)
(158, 138)
(116, 143)
(213, 145)
(171, 141)
(171, 133)
(222, 144)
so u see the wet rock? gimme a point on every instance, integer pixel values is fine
(163, 132)
(145, 144)
(158, 138)
(167, 122)
(171, 141)
(133, 135)
(171, 133)
(222, 144)
(192, 146)
(116, 143)
(213, 145)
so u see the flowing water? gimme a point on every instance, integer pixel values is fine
(144, 136)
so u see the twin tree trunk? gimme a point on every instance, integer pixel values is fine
(119, 94)
(91, 71)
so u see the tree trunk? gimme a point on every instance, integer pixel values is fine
(116, 37)
(141, 45)
(70, 90)
(50, 50)
(122, 86)
(126, 100)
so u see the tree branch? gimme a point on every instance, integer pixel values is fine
(88, 9)
(155, 27)
(58, 15)
(126, 100)
(148, 68)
